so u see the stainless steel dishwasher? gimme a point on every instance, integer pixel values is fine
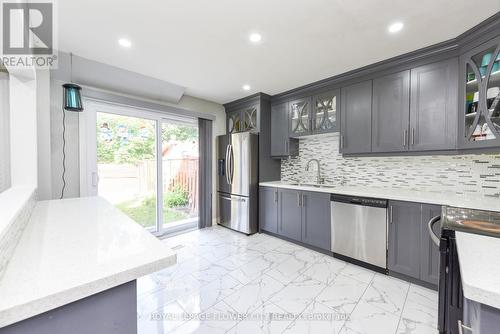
(359, 230)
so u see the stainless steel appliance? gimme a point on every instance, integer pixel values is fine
(359, 230)
(237, 170)
(451, 300)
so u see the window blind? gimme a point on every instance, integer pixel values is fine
(4, 132)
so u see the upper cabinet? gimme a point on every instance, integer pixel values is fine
(411, 110)
(281, 143)
(433, 107)
(480, 92)
(245, 119)
(326, 110)
(314, 114)
(300, 112)
(391, 112)
(356, 106)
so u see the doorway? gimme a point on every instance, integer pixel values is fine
(146, 165)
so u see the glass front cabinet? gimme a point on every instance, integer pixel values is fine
(480, 85)
(313, 115)
(246, 119)
(326, 110)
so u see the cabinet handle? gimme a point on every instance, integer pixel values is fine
(390, 215)
(461, 328)
(276, 196)
(302, 201)
(298, 200)
(286, 146)
(413, 136)
(404, 137)
(342, 141)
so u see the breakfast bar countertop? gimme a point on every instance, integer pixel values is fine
(71, 249)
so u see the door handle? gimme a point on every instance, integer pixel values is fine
(227, 165)
(461, 327)
(233, 199)
(231, 164)
(95, 179)
(430, 225)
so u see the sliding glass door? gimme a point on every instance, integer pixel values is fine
(180, 153)
(147, 167)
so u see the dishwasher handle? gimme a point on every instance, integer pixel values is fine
(356, 200)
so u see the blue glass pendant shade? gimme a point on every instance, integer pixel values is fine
(72, 97)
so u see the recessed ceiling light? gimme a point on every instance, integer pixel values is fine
(246, 87)
(255, 37)
(125, 42)
(395, 27)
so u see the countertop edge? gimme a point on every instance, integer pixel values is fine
(36, 307)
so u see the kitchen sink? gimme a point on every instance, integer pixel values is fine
(315, 185)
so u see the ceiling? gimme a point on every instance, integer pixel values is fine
(203, 45)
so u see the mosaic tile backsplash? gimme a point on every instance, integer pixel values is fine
(462, 174)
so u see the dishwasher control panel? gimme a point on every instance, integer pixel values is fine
(365, 201)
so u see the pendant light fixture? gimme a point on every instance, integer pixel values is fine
(72, 93)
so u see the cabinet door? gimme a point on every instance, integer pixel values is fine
(356, 106)
(404, 238)
(300, 117)
(433, 107)
(391, 111)
(325, 112)
(250, 118)
(281, 144)
(316, 222)
(429, 251)
(234, 122)
(289, 214)
(480, 95)
(268, 209)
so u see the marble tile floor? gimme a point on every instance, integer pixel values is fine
(226, 282)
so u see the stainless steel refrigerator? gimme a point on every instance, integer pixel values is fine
(237, 171)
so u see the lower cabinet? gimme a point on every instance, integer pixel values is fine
(268, 209)
(289, 214)
(316, 220)
(411, 251)
(479, 318)
(297, 215)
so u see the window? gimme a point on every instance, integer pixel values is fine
(4, 132)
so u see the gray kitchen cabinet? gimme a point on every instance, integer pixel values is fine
(300, 120)
(481, 318)
(356, 118)
(281, 143)
(404, 238)
(391, 112)
(433, 106)
(429, 251)
(289, 214)
(479, 124)
(268, 209)
(316, 226)
(326, 111)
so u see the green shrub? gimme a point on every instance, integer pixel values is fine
(175, 198)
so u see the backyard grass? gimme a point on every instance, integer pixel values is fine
(144, 212)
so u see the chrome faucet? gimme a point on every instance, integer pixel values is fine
(319, 179)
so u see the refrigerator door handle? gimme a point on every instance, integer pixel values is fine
(231, 164)
(227, 165)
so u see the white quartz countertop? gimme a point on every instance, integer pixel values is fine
(429, 197)
(479, 267)
(72, 249)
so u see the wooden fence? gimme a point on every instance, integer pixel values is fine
(177, 173)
